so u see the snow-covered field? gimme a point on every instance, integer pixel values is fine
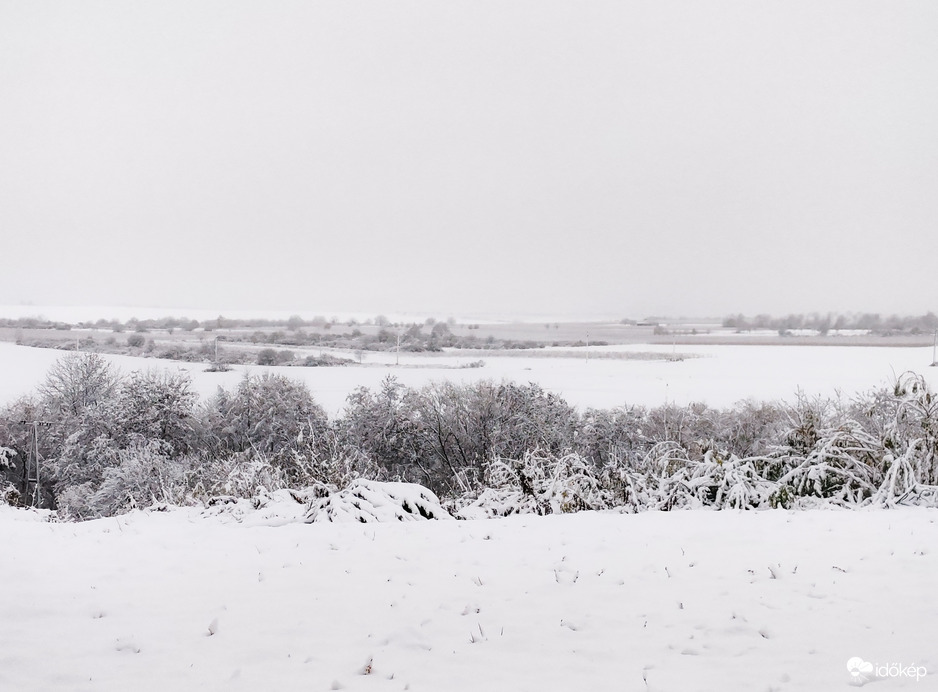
(688, 600)
(719, 375)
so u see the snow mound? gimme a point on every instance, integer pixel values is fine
(276, 508)
(372, 501)
(8, 512)
(499, 502)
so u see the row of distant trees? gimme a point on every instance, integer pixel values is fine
(827, 322)
(170, 323)
(822, 322)
(106, 442)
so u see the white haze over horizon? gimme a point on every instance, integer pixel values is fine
(73, 314)
(611, 158)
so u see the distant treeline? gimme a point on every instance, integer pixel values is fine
(170, 323)
(106, 443)
(149, 337)
(873, 322)
(282, 327)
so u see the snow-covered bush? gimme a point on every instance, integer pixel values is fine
(336, 465)
(245, 475)
(751, 428)
(627, 434)
(142, 476)
(905, 419)
(270, 415)
(491, 503)
(613, 437)
(157, 406)
(661, 480)
(266, 508)
(8, 493)
(83, 455)
(77, 403)
(726, 481)
(373, 501)
(382, 427)
(537, 484)
(842, 466)
(442, 435)
(77, 382)
(899, 482)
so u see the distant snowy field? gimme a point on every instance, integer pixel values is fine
(687, 600)
(718, 375)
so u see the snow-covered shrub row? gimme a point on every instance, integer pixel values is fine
(106, 443)
(370, 501)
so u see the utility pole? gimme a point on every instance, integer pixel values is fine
(33, 455)
(934, 349)
(397, 356)
(587, 348)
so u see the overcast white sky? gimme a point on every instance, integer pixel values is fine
(692, 158)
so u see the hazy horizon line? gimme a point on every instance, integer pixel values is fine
(87, 313)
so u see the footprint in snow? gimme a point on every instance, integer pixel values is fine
(128, 645)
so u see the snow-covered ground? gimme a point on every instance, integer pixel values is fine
(688, 600)
(719, 375)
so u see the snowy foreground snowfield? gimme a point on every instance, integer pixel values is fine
(688, 600)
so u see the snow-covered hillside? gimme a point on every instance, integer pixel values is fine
(689, 600)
